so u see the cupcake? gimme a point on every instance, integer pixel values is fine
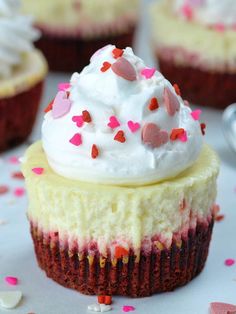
(194, 41)
(73, 30)
(121, 188)
(22, 71)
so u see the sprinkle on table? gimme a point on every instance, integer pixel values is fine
(13, 160)
(13, 281)
(4, 189)
(128, 308)
(19, 192)
(18, 175)
(229, 262)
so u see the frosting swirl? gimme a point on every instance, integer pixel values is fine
(208, 12)
(120, 123)
(16, 36)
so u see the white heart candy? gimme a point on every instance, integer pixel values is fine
(10, 299)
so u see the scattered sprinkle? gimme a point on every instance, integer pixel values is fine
(148, 72)
(78, 120)
(10, 299)
(13, 281)
(171, 102)
(86, 116)
(114, 123)
(120, 137)
(229, 262)
(49, 106)
(19, 192)
(177, 134)
(38, 170)
(106, 66)
(17, 175)
(219, 218)
(117, 53)
(63, 86)
(128, 308)
(124, 69)
(203, 128)
(13, 160)
(133, 126)
(187, 11)
(219, 27)
(4, 189)
(196, 114)
(94, 152)
(177, 89)
(153, 136)
(76, 139)
(222, 308)
(120, 252)
(61, 105)
(153, 105)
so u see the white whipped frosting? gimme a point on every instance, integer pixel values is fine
(105, 94)
(210, 12)
(16, 36)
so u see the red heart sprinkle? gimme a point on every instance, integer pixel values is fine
(171, 102)
(153, 104)
(17, 175)
(120, 252)
(106, 66)
(219, 218)
(120, 137)
(153, 136)
(117, 53)
(203, 128)
(3, 189)
(94, 152)
(49, 107)
(176, 133)
(177, 89)
(86, 116)
(124, 69)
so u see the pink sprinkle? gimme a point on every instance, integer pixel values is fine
(128, 308)
(63, 86)
(76, 139)
(196, 114)
(13, 281)
(148, 72)
(13, 160)
(183, 137)
(187, 11)
(38, 170)
(114, 123)
(3, 189)
(19, 192)
(79, 121)
(229, 262)
(219, 27)
(133, 126)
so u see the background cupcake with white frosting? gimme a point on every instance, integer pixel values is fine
(194, 41)
(73, 30)
(22, 71)
(121, 185)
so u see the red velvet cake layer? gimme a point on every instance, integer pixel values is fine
(73, 54)
(156, 271)
(206, 88)
(17, 116)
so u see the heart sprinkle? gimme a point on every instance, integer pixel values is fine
(13, 281)
(153, 136)
(222, 308)
(4, 189)
(203, 128)
(76, 139)
(171, 102)
(61, 105)
(153, 105)
(219, 218)
(117, 53)
(229, 262)
(183, 137)
(78, 120)
(133, 126)
(106, 66)
(128, 308)
(148, 72)
(120, 252)
(196, 114)
(10, 299)
(220, 27)
(124, 69)
(86, 116)
(120, 137)
(63, 86)
(94, 152)
(176, 133)
(17, 175)
(38, 170)
(49, 107)
(177, 89)
(114, 123)
(19, 192)
(187, 11)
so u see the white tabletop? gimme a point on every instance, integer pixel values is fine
(42, 296)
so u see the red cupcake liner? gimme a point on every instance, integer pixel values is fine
(155, 271)
(17, 116)
(202, 87)
(73, 54)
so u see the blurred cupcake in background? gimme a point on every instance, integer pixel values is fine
(73, 30)
(22, 71)
(195, 43)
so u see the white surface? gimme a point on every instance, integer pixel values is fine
(42, 296)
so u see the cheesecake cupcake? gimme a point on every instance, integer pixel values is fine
(73, 30)
(22, 72)
(121, 187)
(194, 42)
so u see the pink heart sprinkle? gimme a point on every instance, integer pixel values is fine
(63, 86)
(183, 137)
(171, 102)
(148, 72)
(19, 192)
(229, 262)
(222, 308)
(128, 308)
(13, 281)
(133, 126)
(13, 160)
(114, 123)
(124, 69)
(61, 105)
(38, 170)
(196, 114)
(79, 121)
(219, 27)
(187, 11)
(76, 139)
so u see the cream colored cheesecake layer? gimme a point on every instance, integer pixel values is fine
(111, 215)
(32, 70)
(192, 43)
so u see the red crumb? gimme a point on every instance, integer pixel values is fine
(86, 116)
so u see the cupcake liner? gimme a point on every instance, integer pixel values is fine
(155, 271)
(17, 116)
(207, 88)
(73, 54)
